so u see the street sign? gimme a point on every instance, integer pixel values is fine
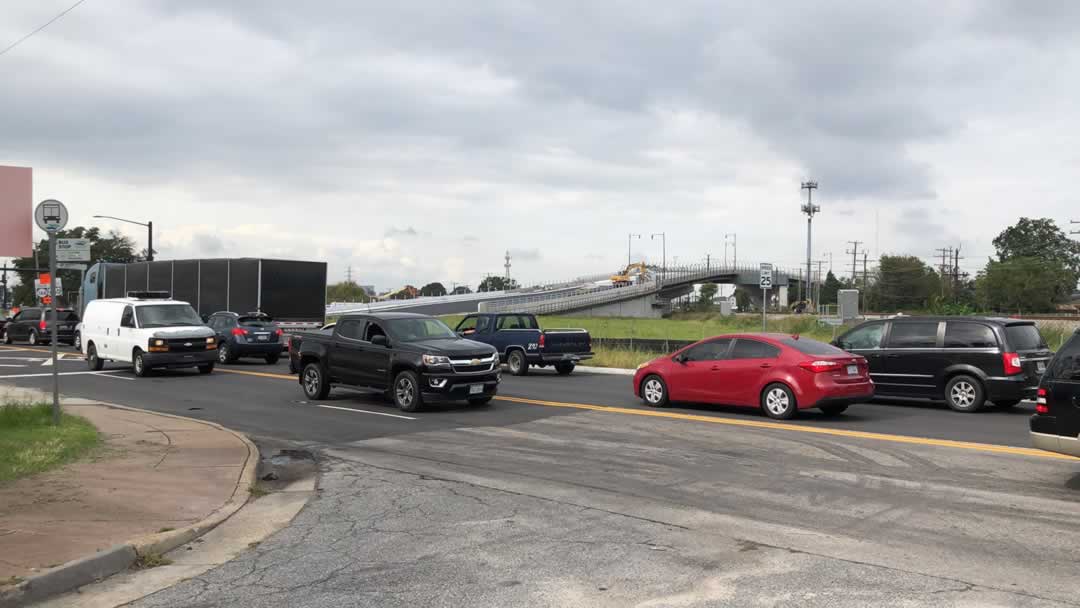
(41, 292)
(41, 288)
(72, 250)
(46, 300)
(51, 215)
(766, 276)
(70, 266)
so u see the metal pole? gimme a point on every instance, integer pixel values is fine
(52, 318)
(149, 244)
(764, 306)
(809, 277)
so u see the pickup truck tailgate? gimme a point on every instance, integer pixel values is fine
(560, 341)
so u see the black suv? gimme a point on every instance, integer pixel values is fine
(1056, 424)
(250, 335)
(963, 360)
(33, 325)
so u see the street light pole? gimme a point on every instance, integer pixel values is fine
(734, 249)
(149, 237)
(629, 238)
(663, 240)
(809, 209)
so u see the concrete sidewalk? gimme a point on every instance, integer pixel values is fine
(155, 477)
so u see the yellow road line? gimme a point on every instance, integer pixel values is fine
(259, 374)
(761, 424)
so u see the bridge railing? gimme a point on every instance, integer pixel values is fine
(577, 301)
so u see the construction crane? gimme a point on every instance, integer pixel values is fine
(634, 273)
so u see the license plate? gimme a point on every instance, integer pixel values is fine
(1040, 366)
(262, 337)
(476, 389)
(853, 370)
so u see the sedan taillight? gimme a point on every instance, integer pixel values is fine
(820, 366)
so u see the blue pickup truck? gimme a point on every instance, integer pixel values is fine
(521, 342)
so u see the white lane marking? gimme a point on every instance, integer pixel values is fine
(113, 377)
(35, 359)
(47, 375)
(9, 365)
(46, 363)
(349, 409)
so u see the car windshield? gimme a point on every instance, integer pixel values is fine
(1024, 337)
(807, 346)
(167, 315)
(411, 330)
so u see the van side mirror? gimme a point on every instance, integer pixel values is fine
(380, 341)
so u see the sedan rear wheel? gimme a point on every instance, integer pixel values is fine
(778, 402)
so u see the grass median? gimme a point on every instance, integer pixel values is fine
(29, 443)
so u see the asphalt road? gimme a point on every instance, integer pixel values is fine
(567, 492)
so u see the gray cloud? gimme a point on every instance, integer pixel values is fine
(525, 255)
(210, 244)
(394, 231)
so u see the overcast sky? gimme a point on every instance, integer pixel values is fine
(418, 141)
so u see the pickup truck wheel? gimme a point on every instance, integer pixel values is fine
(407, 392)
(564, 369)
(517, 364)
(316, 388)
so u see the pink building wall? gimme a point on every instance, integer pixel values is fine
(16, 211)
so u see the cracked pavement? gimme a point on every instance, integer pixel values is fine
(577, 511)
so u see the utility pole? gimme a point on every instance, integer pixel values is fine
(708, 258)
(734, 246)
(865, 285)
(809, 209)
(348, 274)
(820, 280)
(946, 259)
(854, 251)
(663, 266)
(956, 273)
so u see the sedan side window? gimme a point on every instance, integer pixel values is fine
(752, 349)
(713, 350)
(865, 337)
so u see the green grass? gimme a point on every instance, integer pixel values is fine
(29, 443)
(145, 561)
(615, 357)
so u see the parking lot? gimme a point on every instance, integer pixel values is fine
(886, 496)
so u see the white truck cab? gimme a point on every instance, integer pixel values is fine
(149, 330)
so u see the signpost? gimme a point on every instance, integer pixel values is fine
(766, 284)
(72, 250)
(51, 216)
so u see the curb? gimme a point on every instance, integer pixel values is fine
(609, 371)
(103, 564)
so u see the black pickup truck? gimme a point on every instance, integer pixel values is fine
(411, 358)
(521, 342)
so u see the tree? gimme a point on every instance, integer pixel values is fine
(461, 290)
(829, 288)
(903, 282)
(113, 247)
(1022, 284)
(743, 300)
(433, 289)
(346, 291)
(706, 295)
(1041, 242)
(496, 283)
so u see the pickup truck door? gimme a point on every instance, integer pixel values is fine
(476, 327)
(374, 363)
(347, 352)
(513, 330)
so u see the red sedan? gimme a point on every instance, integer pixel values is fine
(779, 373)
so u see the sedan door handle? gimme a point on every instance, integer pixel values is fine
(716, 368)
(765, 365)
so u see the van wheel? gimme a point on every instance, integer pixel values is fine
(139, 363)
(92, 360)
(964, 394)
(78, 341)
(316, 387)
(407, 392)
(564, 369)
(517, 364)
(778, 402)
(33, 340)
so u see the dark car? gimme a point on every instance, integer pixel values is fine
(965, 361)
(246, 335)
(1055, 427)
(521, 342)
(779, 373)
(34, 326)
(411, 358)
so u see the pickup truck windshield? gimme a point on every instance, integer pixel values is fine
(167, 315)
(411, 330)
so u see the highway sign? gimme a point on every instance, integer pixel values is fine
(766, 276)
(72, 250)
(51, 215)
(71, 266)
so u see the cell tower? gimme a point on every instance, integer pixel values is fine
(507, 265)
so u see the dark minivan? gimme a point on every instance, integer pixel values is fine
(34, 326)
(1055, 427)
(965, 361)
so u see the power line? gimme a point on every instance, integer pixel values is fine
(47, 24)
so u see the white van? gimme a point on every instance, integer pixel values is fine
(148, 330)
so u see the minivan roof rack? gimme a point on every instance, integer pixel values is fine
(149, 295)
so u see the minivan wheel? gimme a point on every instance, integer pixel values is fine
(964, 394)
(139, 363)
(33, 340)
(92, 360)
(407, 392)
(777, 401)
(7, 337)
(517, 364)
(316, 388)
